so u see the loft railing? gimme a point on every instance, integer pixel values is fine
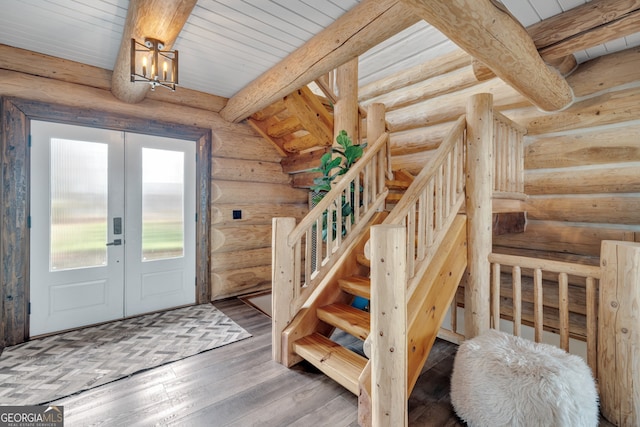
(304, 254)
(508, 154)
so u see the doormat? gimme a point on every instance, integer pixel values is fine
(43, 370)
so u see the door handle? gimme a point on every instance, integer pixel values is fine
(116, 242)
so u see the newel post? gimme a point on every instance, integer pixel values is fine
(479, 191)
(282, 281)
(619, 333)
(389, 326)
(376, 126)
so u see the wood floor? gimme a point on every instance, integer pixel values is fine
(239, 385)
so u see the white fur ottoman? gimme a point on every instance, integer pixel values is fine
(502, 380)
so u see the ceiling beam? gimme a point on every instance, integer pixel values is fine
(158, 19)
(361, 28)
(501, 43)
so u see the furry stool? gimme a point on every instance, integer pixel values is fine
(503, 380)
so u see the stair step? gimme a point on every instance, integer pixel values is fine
(339, 363)
(363, 260)
(356, 285)
(349, 319)
(398, 184)
(394, 197)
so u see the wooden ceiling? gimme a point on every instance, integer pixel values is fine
(226, 44)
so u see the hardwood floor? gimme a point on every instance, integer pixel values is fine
(239, 385)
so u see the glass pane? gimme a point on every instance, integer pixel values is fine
(79, 185)
(162, 204)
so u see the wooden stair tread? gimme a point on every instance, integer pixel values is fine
(349, 319)
(363, 260)
(396, 184)
(339, 363)
(356, 285)
(394, 197)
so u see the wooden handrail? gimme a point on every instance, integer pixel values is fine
(431, 202)
(563, 270)
(337, 189)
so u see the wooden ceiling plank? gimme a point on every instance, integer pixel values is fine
(158, 19)
(501, 43)
(355, 32)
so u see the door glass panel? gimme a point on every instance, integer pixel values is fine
(79, 184)
(162, 204)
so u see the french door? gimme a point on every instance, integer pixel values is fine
(112, 217)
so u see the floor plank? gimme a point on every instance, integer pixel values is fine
(239, 385)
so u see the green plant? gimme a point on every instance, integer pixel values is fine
(331, 168)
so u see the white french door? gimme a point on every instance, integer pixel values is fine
(112, 221)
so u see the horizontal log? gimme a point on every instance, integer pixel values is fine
(612, 178)
(95, 100)
(554, 256)
(440, 85)
(244, 281)
(579, 20)
(499, 41)
(566, 238)
(303, 161)
(38, 64)
(602, 209)
(240, 146)
(589, 147)
(237, 238)
(255, 213)
(304, 179)
(412, 163)
(248, 170)
(608, 108)
(577, 294)
(421, 139)
(361, 28)
(449, 107)
(237, 192)
(429, 69)
(234, 260)
(606, 72)
(603, 33)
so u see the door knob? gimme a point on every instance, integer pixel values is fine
(116, 242)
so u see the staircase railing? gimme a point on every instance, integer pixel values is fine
(431, 203)
(508, 154)
(303, 254)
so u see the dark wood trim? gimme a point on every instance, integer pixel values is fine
(14, 198)
(14, 233)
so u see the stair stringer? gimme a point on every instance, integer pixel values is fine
(426, 309)
(306, 321)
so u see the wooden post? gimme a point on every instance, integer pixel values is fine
(375, 127)
(345, 111)
(479, 183)
(282, 281)
(389, 326)
(619, 333)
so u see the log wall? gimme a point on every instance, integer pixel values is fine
(246, 174)
(582, 165)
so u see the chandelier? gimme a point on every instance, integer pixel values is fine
(151, 64)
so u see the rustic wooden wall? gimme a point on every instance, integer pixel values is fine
(247, 177)
(582, 164)
(245, 169)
